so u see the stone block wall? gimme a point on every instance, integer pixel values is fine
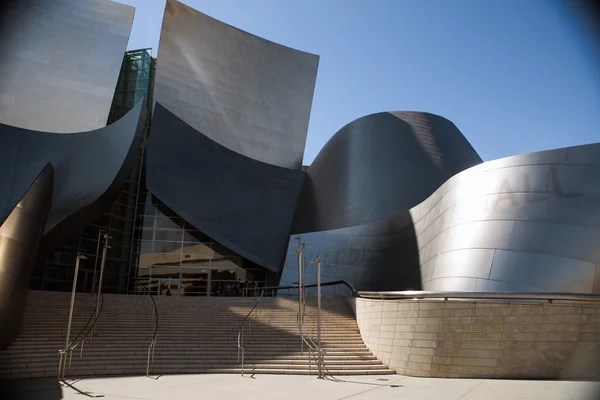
(483, 339)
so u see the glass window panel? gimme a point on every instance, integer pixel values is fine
(190, 238)
(196, 262)
(146, 247)
(168, 223)
(166, 271)
(145, 260)
(148, 221)
(173, 259)
(166, 247)
(169, 235)
(223, 264)
(147, 235)
(198, 248)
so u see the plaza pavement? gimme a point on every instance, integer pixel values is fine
(291, 387)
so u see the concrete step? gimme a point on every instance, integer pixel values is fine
(195, 335)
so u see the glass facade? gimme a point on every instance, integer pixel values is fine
(56, 272)
(173, 255)
(151, 248)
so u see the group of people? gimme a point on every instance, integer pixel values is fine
(232, 288)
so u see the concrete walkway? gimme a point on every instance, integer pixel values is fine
(290, 387)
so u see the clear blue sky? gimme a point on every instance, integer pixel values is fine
(515, 76)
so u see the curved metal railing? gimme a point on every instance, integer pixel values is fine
(416, 294)
(312, 346)
(73, 344)
(152, 346)
(240, 337)
(330, 283)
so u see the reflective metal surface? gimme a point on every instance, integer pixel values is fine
(354, 204)
(379, 166)
(59, 62)
(243, 204)
(524, 223)
(246, 93)
(89, 170)
(20, 235)
(376, 256)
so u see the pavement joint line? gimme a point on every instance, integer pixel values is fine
(369, 390)
(473, 388)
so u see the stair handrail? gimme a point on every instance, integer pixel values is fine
(540, 296)
(152, 345)
(240, 336)
(62, 362)
(330, 283)
(312, 346)
(86, 324)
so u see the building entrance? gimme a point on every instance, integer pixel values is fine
(197, 281)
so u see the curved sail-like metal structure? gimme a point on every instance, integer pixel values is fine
(244, 204)
(353, 210)
(379, 166)
(77, 176)
(524, 223)
(246, 93)
(60, 61)
(89, 169)
(20, 235)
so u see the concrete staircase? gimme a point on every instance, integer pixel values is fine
(195, 335)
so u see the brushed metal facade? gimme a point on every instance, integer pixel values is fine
(379, 166)
(20, 235)
(524, 223)
(90, 168)
(60, 61)
(379, 255)
(353, 210)
(246, 93)
(244, 204)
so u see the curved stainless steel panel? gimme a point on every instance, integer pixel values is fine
(524, 223)
(20, 235)
(89, 170)
(60, 61)
(379, 166)
(246, 93)
(244, 204)
(379, 254)
(359, 189)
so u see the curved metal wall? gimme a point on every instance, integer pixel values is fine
(375, 256)
(523, 223)
(244, 204)
(379, 166)
(89, 169)
(246, 93)
(353, 210)
(20, 236)
(60, 61)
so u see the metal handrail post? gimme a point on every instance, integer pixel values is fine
(100, 232)
(102, 263)
(319, 355)
(299, 252)
(319, 350)
(70, 321)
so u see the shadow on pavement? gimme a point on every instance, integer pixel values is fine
(30, 389)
